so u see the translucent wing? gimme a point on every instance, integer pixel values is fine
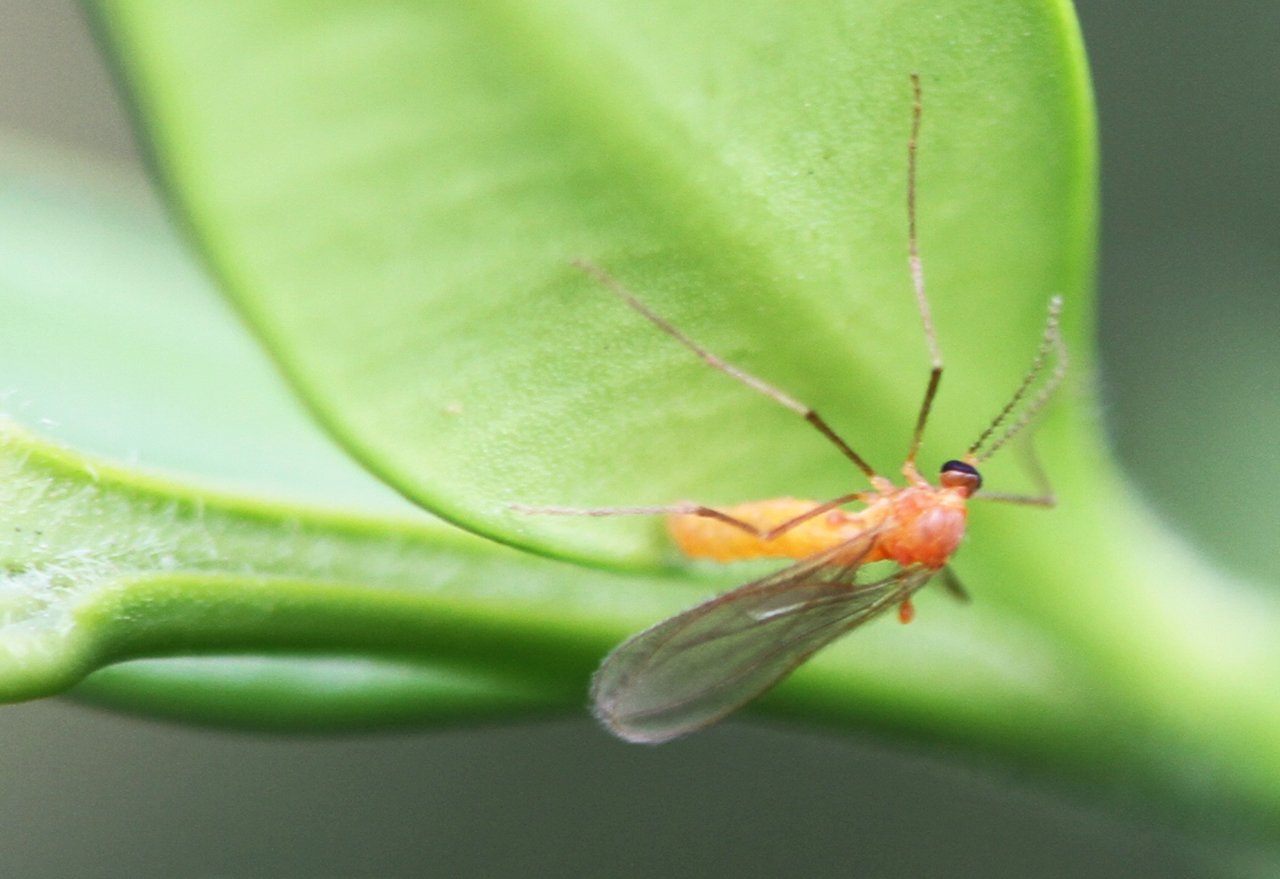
(695, 668)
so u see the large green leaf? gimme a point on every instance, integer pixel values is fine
(112, 340)
(392, 193)
(181, 598)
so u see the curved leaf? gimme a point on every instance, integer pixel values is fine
(181, 599)
(393, 194)
(112, 340)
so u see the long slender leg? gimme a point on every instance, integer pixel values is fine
(1046, 497)
(953, 585)
(917, 276)
(758, 385)
(779, 530)
(688, 509)
(691, 509)
(1025, 500)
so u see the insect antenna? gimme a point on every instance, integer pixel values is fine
(1050, 343)
(917, 275)
(758, 385)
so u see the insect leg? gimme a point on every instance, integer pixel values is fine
(687, 509)
(758, 385)
(917, 277)
(1025, 500)
(779, 530)
(1046, 497)
(692, 509)
(953, 585)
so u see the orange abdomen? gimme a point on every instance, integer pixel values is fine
(911, 526)
(702, 537)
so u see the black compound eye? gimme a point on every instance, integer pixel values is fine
(961, 468)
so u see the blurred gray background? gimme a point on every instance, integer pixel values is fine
(1189, 313)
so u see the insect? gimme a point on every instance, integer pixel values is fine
(693, 669)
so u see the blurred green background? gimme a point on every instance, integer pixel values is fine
(1189, 313)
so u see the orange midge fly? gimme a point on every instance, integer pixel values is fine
(693, 669)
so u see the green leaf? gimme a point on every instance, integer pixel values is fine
(181, 599)
(115, 342)
(392, 193)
